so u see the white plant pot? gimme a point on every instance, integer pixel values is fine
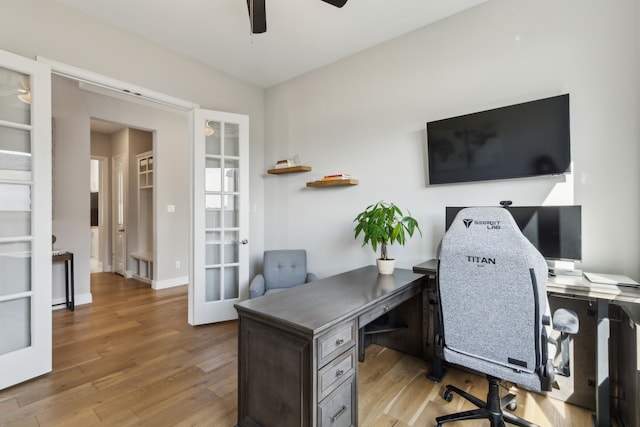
(385, 266)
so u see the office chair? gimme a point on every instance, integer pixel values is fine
(282, 269)
(494, 311)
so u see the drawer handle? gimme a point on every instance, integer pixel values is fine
(337, 415)
(386, 308)
(339, 341)
(339, 372)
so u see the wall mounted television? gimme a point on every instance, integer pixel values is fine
(556, 231)
(517, 141)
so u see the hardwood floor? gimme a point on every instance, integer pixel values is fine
(130, 358)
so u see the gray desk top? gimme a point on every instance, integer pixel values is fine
(625, 296)
(318, 305)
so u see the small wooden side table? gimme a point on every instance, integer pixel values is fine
(67, 258)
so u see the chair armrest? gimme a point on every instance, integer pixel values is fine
(256, 288)
(566, 321)
(311, 277)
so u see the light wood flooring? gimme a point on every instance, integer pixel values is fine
(130, 358)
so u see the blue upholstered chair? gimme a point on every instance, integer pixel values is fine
(282, 269)
(495, 313)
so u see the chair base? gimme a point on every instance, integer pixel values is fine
(491, 409)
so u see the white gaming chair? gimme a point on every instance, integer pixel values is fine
(495, 314)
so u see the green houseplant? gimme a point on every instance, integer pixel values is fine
(384, 224)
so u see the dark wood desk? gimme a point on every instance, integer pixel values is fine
(297, 349)
(67, 258)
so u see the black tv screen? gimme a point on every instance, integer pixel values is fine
(556, 231)
(522, 140)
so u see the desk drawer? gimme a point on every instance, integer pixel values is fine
(335, 372)
(335, 342)
(339, 409)
(388, 304)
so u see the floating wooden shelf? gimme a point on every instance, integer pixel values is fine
(333, 183)
(291, 169)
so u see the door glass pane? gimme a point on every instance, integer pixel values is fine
(15, 210)
(212, 248)
(15, 268)
(15, 97)
(231, 217)
(212, 218)
(120, 194)
(213, 179)
(231, 282)
(212, 137)
(15, 318)
(15, 154)
(231, 139)
(231, 173)
(230, 247)
(212, 284)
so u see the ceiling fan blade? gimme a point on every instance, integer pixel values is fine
(336, 3)
(257, 16)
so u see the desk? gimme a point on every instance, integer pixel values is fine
(67, 258)
(602, 295)
(297, 349)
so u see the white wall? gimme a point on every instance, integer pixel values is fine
(366, 115)
(40, 27)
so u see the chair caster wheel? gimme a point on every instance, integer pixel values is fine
(512, 406)
(447, 395)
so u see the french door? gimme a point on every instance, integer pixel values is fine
(119, 213)
(219, 273)
(25, 219)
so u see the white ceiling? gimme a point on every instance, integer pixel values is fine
(302, 35)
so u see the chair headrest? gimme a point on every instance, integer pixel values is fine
(487, 233)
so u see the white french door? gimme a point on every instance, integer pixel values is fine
(219, 273)
(25, 219)
(119, 213)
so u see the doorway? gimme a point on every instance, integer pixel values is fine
(125, 226)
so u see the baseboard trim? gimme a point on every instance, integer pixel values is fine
(80, 299)
(169, 283)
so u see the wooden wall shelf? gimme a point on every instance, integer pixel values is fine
(332, 183)
(291, 169)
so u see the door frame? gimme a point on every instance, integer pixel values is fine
(104, 228)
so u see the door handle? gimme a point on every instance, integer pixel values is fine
(121, 230)
(240, 242)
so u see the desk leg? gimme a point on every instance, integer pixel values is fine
(437, 370)
(603, 415)
(72, 303)
(66, 283)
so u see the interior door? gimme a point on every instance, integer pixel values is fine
(25, 219)
(219, 271)
(119, 186)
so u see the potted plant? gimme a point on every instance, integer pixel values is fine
(384, 224)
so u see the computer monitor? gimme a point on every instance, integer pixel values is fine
(556, 231)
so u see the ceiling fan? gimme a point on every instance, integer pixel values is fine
(258, 16)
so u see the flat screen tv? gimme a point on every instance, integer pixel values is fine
(556, 231)
(522, 140)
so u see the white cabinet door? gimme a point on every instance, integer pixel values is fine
(219, 273)
(25, 219)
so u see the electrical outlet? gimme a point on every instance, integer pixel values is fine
(177, 264)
